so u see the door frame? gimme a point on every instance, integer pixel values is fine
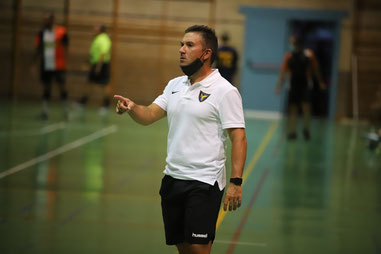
(288, 14)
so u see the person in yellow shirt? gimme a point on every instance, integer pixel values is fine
(99, 74)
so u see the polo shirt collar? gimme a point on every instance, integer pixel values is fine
(208, 80)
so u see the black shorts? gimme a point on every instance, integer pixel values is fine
(101, 78)
(190, 210)
(299, 96)
(48, 76)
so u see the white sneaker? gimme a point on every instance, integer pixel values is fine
(103, 111)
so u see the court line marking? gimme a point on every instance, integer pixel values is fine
(44, 130)
(242, 243)
(53, 127)
(258, 153)
(77, 143)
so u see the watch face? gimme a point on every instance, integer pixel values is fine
(236, 181)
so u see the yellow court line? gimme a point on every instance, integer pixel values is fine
(258, 153)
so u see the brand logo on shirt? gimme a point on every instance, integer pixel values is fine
(200, 235)
(203, 96)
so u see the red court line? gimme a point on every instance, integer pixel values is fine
(247, 212)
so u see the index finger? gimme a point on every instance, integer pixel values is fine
(119, 97)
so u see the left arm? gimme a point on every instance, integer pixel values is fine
(315, 69)
(233, 196)
(104, 48)
(100, 63)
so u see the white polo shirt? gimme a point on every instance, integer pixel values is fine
(198, 116)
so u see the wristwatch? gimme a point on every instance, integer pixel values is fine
(236, 181)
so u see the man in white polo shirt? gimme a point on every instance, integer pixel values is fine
(203, 109)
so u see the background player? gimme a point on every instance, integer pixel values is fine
(99, 74)
(51, 44)
(300, 64)
(227, 58)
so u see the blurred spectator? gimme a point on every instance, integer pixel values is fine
(374, 140)
(51, 44)
(374, 136)
(301, 65)
(99, 74)
(227, 58)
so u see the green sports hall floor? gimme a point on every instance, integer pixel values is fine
(90, 185)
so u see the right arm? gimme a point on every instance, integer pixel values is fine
(283, 73)
(144, 115)
(279, 84)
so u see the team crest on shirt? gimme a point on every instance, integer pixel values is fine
(203, 96)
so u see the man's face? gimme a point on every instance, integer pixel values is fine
(96, 30)
(191, 48)
(49, 20)
(293, 42)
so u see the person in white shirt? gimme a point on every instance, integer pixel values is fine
(51, 44)
(203, 109)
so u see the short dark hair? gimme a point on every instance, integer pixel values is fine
(209, 36)
(225, 37)
(102, 28)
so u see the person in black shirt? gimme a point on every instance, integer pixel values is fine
(301, 65)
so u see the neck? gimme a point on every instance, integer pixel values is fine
(202, 73)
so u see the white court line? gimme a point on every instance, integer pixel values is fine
(53, 127)
(242, 243)
(79, 142)
(44, 130)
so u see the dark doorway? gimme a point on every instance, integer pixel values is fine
(318, 36)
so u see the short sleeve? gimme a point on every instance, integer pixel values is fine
(162, 100)
(231, 110)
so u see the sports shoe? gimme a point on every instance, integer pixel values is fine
(103, 111)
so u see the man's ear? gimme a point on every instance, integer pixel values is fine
(207, 55)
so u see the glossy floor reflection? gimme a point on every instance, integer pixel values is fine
(90, 185)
